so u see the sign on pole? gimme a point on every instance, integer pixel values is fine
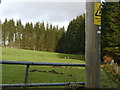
(97, 13)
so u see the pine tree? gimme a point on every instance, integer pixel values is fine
(75, 36)
(4, 32)
(42, 37)
(1, 43)
(48, 38)
(18, 34)
(31, 43)
(53, 38)
(11, 32)
(60, 40)
(36, 36)
(111, 29)
(29, 36)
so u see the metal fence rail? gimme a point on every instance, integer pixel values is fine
(40, 63)
(41, 84)
(26, 84)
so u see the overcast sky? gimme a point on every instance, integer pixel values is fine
(60, 13)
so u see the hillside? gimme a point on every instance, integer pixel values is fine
(41, 74)
(39, 56)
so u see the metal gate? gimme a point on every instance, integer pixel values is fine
(26, 84)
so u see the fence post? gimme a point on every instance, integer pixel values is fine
(26, 74)
(92, 49)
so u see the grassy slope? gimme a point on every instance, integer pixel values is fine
(15, 74)
(29, 55)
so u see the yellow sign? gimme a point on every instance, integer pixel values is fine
(97, 13)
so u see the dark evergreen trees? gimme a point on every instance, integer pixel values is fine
(18, 34)
(36, 36)
(4, 33)
(11, 32)
(111, 29)
(45, 38)
(41, 34)
(60, 40)
(75, 36)
(48, 35)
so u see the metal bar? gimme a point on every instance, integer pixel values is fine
(39, 63)
(26, 74)
(41, 84)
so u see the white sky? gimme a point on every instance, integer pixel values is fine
(60, 13)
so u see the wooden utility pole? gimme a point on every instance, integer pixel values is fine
(92, 55)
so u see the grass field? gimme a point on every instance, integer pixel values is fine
(15, 73)
(41, 74)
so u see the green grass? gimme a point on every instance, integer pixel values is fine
(38, 56)
(16, 73)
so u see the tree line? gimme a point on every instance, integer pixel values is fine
(43, 37)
